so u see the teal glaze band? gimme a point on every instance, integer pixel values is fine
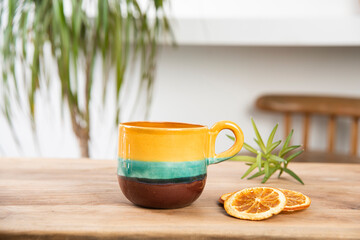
(217, 160)
(160, 170)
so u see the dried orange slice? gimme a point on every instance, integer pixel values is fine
(225, 196)
(255, 203)
(295, 200)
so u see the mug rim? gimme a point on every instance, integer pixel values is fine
(167, 126)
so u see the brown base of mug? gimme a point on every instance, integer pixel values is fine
(161, 196)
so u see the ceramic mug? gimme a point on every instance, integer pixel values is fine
(163, 164)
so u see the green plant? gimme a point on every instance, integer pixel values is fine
(266, 161)
(118, 30)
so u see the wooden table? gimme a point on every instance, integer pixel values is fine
(68, 198)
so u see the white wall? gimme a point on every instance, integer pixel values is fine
(264, 22)
(262, 8)
(208, 84)
(204, 84)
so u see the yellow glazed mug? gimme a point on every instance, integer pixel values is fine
(163, 164)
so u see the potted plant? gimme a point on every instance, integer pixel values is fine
(74, 36)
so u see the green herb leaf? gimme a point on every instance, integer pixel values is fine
(249, 148)
(262, 147)
(265, 160)
(294, 156)
(266, 168)
(276, 158)
(272, 146)
(243, 159)
(260, 141)
(281, 171)
(231, 137)
(258, 174)
(258, 160)
(271, 137)
(272, 171)
(287, 141)
(249, 170)
(291, 173)
(288, 149)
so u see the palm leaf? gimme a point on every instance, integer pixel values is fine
(76, 39)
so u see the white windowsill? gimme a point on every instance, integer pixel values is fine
(270, 31)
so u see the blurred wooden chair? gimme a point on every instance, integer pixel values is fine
(308, 105)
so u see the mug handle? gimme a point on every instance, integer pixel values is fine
(235, 148)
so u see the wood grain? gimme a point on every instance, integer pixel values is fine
(287, 122)
(325, 157)
(331, 134)
(306, 127)
(311, 104)
(81, 199)
(354, 135)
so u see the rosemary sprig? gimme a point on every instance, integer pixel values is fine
(266, 161)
